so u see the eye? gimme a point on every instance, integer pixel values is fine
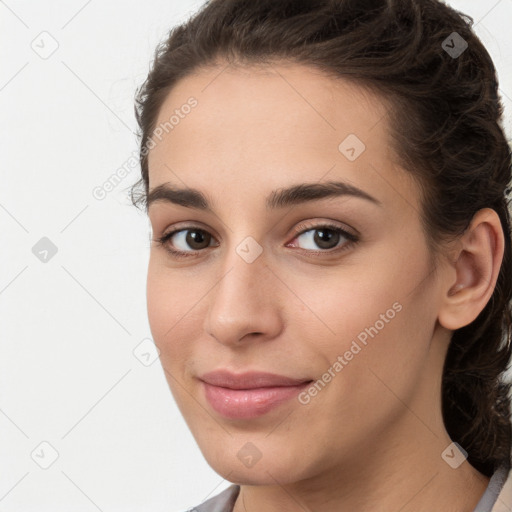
(325, 237)
(193, 237)
(329, 238)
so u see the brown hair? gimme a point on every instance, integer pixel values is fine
(445, 120)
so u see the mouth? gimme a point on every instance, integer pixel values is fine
(249, 395)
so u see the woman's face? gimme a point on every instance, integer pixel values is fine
(268, 284)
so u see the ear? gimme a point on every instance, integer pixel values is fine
(473, 271)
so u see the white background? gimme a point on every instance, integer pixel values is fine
(68, 375)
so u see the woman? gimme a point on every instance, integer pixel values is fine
(330, 276)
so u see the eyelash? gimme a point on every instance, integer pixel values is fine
(351, 240)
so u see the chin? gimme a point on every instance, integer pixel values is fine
(264, 475)
(241, 462)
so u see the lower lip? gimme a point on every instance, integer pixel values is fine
(249, 403)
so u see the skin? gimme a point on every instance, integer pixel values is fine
(372, 439)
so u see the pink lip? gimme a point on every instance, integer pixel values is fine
(249, 394)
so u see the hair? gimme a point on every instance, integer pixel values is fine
(445, 118)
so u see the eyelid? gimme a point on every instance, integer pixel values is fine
(300, 229)
(162, 240)
(310, 225)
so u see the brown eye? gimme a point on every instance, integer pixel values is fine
(197, 239)
(323, 237)
(185, 242)
(326, 238)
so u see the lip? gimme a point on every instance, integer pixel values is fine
(249, 380)
(250, 394)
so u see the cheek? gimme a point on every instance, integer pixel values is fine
(376, 355)
(337, 310)
(378, 320)
(172, 315)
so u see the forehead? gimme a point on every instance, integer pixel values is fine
(257, 128)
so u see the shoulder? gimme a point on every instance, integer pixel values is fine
(222, 502)
(498, 495)
(502, 488)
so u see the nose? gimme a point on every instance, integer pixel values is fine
(244, 304)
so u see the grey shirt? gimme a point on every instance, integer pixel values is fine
(225, 501)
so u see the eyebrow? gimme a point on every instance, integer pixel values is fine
(281, 198)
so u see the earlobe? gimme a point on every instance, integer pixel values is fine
(476, 264)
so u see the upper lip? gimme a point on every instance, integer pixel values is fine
(249, 380)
